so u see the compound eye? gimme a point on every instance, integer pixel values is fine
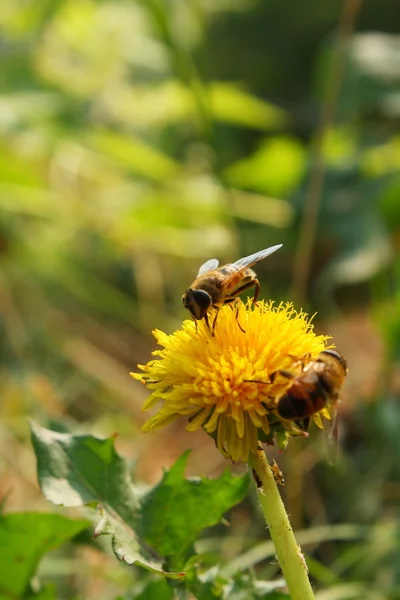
(201, 302)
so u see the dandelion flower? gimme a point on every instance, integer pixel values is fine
(223, 383)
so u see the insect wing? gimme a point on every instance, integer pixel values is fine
(210, 265)
(248, 261)
(332, 439)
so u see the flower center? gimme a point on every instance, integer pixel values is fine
(236, 382)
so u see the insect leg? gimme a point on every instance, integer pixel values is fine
(239, 290)
(282, 373)
(301, 360)
(303, 424)
(237, 318)
(256, 296)
(252, 283)
(229, 301)
(215, 320)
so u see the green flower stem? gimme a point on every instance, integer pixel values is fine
(288, 552)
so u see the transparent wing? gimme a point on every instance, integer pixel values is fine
(332, 438)
(249, 261)
(208, 266)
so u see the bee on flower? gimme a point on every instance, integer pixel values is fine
(240, 384)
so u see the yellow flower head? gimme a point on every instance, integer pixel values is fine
(223, 382)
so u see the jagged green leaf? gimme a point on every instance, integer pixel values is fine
(155, 530)
(74, 470)
(176, 510)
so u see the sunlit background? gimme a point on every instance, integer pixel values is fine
(139, 139)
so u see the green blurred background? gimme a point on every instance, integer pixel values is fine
(137, 140)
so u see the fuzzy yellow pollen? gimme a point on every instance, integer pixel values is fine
(224, 382)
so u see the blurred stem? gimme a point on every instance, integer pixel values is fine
(288, 552)
(308, 226)
(183, 64)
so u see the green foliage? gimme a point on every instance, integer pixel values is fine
(232, 105)
(153, 590)
(25, 539)
(157, 528)
(47, 593)
(176, 511)
(134, 155)
(78, 470)
(210, 587)
(75, 470)
(285, 158)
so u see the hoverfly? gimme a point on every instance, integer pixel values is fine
(317, 386)
(215, 286)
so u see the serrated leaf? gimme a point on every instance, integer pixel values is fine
(25, 538)
(74, 470)
(163, 524)
(80, 469)
(176, 510)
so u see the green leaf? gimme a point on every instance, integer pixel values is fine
(81, 469)
(286, 160)
(47, 593)
(135, 155)
(25, 538)
(230, 104)
(176, 510)
(171, 101)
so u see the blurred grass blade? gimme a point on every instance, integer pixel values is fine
(313, 536)
(261, 209)
(230, 104)
(276, 168)
(135, 154)
(350, 591)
